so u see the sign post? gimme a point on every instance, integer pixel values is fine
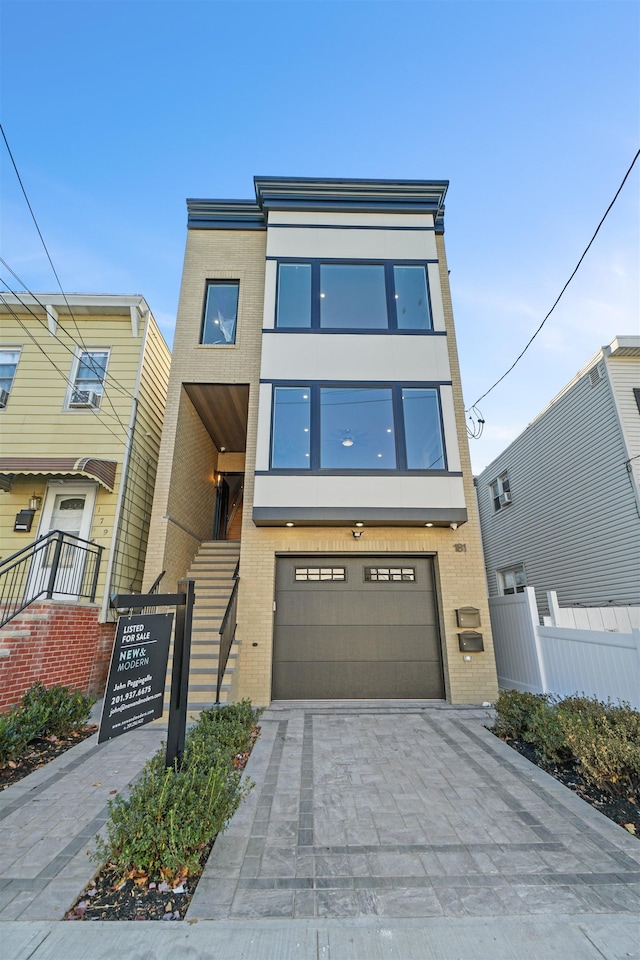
(137, 676)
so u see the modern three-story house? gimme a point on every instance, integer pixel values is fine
(315, 430)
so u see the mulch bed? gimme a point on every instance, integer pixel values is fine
(622, 810)
(41, 751)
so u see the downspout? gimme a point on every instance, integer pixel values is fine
(125, 474)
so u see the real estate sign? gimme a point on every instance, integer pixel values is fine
(135, 688)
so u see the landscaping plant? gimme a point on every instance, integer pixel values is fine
(43, 712)
(172, 814)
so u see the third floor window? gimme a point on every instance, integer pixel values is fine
(317, 295)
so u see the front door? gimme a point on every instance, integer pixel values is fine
(228, 509)
(67, 507)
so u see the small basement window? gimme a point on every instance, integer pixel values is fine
(406, 574)
(320, 573)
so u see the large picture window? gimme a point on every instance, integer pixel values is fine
(220, 312)
(351, 427)
(318, 295)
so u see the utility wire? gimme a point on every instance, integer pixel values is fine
(114, 413)
(81, 345)
(54, 364)
(586, 250)
(33, 217)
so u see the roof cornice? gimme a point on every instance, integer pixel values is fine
(307, 193)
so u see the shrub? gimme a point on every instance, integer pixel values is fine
(12, 738)
(547, 732)
(55, 710)
(604, 739)
(172, 814)
(514, 713)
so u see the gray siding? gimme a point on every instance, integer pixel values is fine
(574, 520)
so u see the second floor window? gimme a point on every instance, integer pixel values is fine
(8, 364)
(353, 296)
(344, 428)
(501, 491)
(88, 379)
(220, 312)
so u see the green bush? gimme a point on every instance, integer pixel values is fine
(605, 741)
(547, 732)
(12, 738)
(602, 738)
(172, 814)
(43, 711)
(515, 711)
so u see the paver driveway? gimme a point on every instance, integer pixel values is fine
(409, 810)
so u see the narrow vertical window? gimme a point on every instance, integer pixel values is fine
(411, 298)
(220, 312)
(294, 295)
(290, 447)
(423, 429)
(8, 364)
(88, 382)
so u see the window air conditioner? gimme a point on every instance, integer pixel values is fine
(505, 498)
(84, 398)
(4, 396)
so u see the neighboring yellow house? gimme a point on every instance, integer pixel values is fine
(83, 383)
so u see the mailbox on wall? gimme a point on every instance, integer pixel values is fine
(470, 641)
(468, 617)
(24, 519)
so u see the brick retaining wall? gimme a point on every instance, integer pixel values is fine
(56, 643)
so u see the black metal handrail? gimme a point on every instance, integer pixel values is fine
(58, 564)
(227, 631)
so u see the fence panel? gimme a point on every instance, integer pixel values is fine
(598, 663)
(513, 621)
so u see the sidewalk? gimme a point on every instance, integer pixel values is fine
(395, 830)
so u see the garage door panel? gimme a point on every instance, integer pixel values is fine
(350, 637)
(318, 643)
(355, 681)
(351, 609)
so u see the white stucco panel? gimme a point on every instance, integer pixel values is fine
(354, 357)
(352, 244)
(359, 492)
(352, 218)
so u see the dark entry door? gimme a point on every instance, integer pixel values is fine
(360, 627)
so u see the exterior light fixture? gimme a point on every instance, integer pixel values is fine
(356, 534)
(454, 526)
(359, 524)
(428, 524)
(35, 502)
(289, 524)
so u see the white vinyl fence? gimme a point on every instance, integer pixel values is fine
(560, 659)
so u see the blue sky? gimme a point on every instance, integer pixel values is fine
(117, 111)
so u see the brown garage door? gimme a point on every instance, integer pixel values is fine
(360, 627)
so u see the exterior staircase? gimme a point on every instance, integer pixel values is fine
(212, 569)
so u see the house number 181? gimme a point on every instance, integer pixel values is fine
(460, 547)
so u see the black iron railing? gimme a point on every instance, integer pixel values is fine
(227, 631)
(57, 565)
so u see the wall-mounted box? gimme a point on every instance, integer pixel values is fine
(24, 519)
(470, 642)
(468, 617)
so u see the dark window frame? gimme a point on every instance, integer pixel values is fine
(390, 289)
(315, 388)
(231, 282)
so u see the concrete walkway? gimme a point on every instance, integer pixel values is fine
(395, 830)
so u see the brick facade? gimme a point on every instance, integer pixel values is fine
(57, 643)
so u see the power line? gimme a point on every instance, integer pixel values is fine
(586, 250)
(80, 345)
(114, 413)
(55, 366)
(33, 217)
